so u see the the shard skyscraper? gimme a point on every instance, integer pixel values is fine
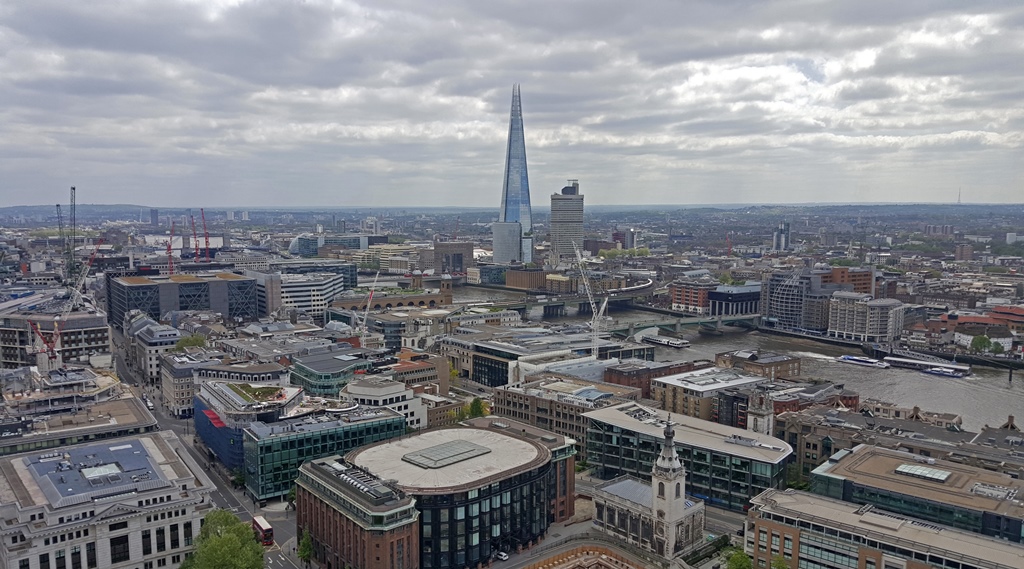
(515, 195)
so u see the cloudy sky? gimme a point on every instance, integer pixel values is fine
(406, 102)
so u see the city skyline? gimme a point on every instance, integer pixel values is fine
(214, 104)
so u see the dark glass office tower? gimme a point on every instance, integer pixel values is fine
(515, 195)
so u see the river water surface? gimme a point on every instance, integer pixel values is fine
(986, 397)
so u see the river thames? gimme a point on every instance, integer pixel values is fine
(986, 397)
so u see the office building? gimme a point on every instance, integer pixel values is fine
(781, 239)
(309, 292)
(557, 403)
(177, 383)
(449, 257)
(654, 514)
(693, 393)
(690, 295)
(639, 373)
(856, 316)
(149, 344)
(760, 362)
(727, 466)
(818, 432)
(378, 391)
(496, 356)
(939, 491)
(136, 502)
(154, 217)
(507, 245)
(814, 531)
(727, 300)
(491, 485)
(83, 333)
(325, 372)
(515, 192)
(230, 294)
(798, 301)
(515, 195)
(274, 451)
(224, 409)
(355, 519)
(566, 222)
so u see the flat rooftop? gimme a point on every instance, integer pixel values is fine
(335, 361)
(91, 473)
(940, 481)
(115, 414)
(442, 460)
(694, 432)
(963, 546)
(312, 424)
(709, 379)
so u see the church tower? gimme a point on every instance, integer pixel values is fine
(673, 522)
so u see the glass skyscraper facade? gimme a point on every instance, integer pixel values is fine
(515, 194)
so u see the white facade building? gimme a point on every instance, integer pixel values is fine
(121, 504)
(382, 392)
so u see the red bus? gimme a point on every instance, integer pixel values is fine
(264, 533)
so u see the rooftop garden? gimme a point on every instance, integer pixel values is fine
(250, 393)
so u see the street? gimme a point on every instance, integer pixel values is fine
(278, 556)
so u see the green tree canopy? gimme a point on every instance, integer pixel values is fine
(194, 340)
(738, 560)
(306, 547)
(997, 348)
(981, 344)
(477, 408)
(225, 542)
(779, 562)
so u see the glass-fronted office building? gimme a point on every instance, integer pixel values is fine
(273, 452)
(726, 466)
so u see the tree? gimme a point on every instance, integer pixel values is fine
(981, 343)
(738, 560)
(291, 498)
(225, 542)
(238, 477)
(997, 348)
(194, 340)
(306, 547)
(477, 408)
(779, 562)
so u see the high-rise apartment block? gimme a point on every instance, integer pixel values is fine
(566, 221)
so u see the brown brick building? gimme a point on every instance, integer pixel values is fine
(638, 373)
(355, 519)
(757, 362)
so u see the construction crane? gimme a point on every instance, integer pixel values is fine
(728, 243)
(70, 243)
(595, 321)
(455, 234)
(170, 258)
(63, 239)
(366, 313)
(206, 234)
(195, 237)
(52, 345)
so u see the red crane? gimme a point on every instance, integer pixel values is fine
(206, 234)
(170, 259)
(195, 237)
(728, 243)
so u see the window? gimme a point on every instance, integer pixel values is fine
(187, 529)
(119, 552)
(90, 555)
(174, 536)
(678, 489)
(161, 543)
(23, 564)
(147, 542)
(44, 561)
(661, 489)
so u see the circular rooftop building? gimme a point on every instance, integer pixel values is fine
(479, 491)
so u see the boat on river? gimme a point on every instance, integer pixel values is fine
(862, 361)
(663, 341)
(943, 372)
